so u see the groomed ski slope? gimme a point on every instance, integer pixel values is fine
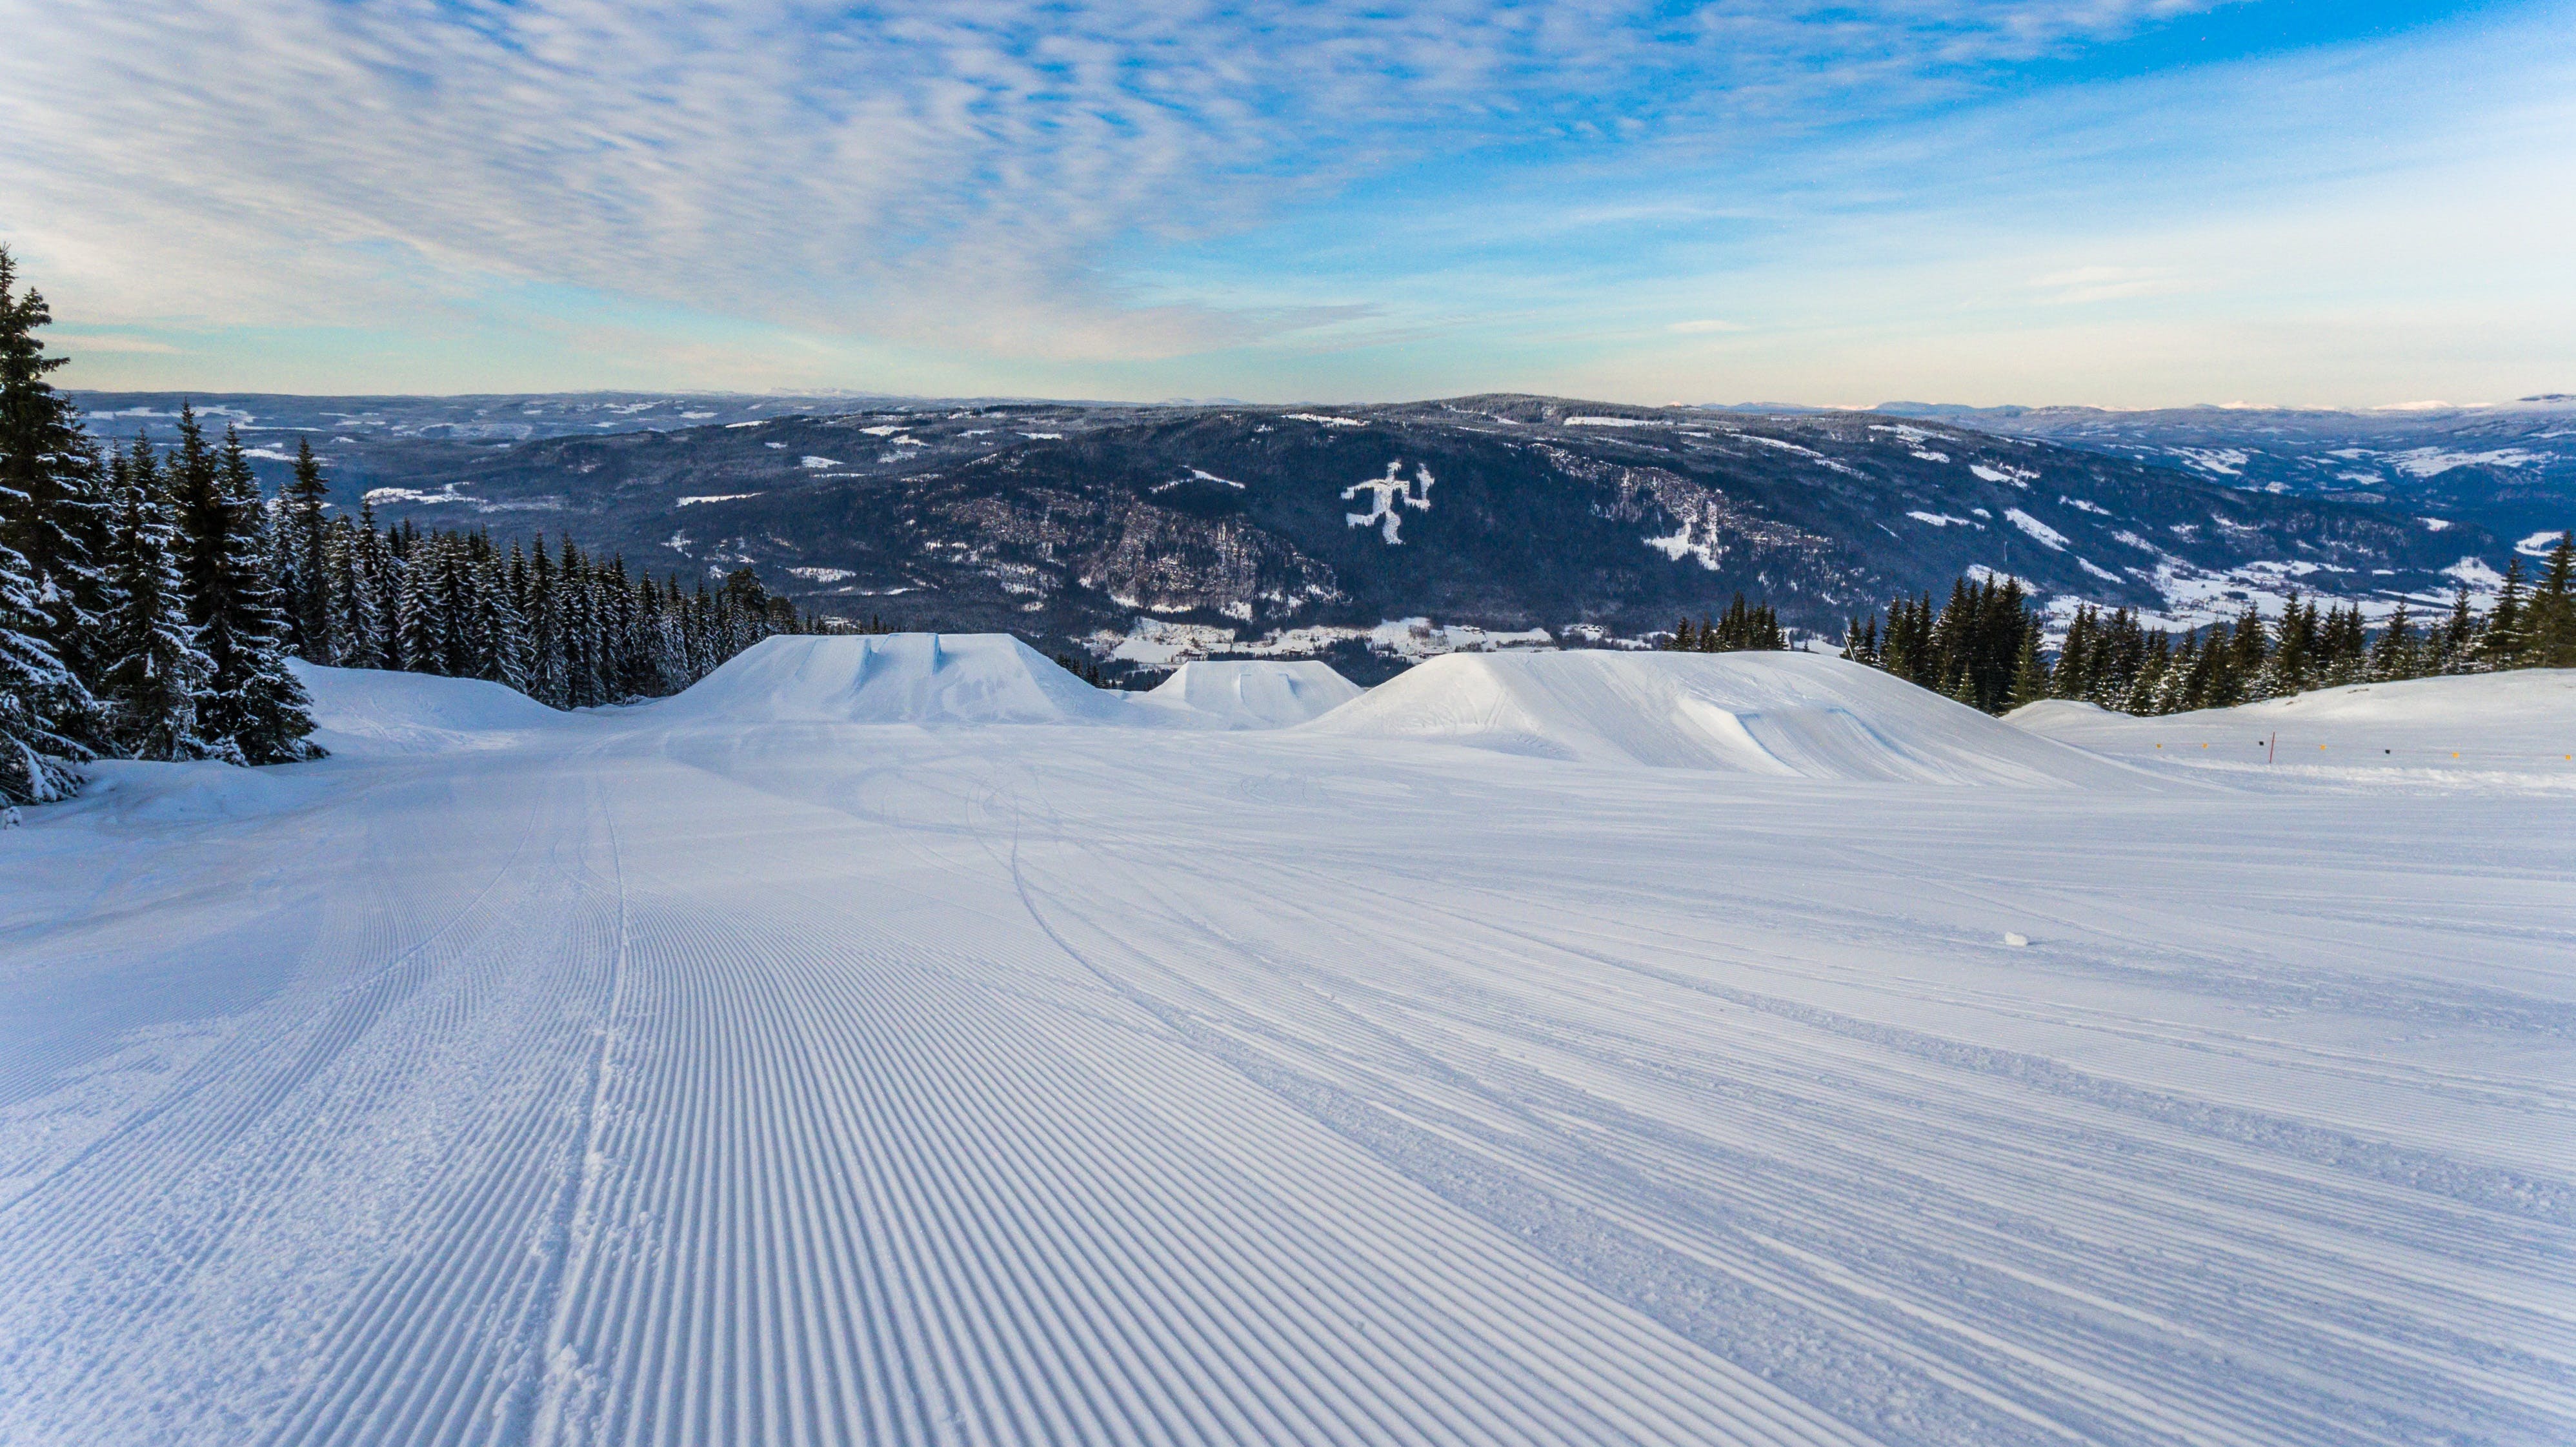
(746, 1073)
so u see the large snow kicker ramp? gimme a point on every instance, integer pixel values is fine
(916, 678)
(1253, 693)
(1788, 715)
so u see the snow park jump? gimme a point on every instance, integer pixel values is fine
(898, 1039)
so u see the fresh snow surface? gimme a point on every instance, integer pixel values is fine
(1256, 694)
(364, 711)
(1786, 715)
(2512, 729)
(744, 1069)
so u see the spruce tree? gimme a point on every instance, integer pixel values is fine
(2293, 663)
(2451, 646)
(2500, 641)
(304, 574)
(545, 630)
(2030, 676)
(53, 518)
(156, 673)
(2186, 674)
(37, 752)
(2549, 621)
(2247, 651)
(254, 704)
(382, 579)
(499, 632)
(2393, 656)
(355, 628)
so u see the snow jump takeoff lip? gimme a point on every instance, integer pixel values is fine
(947, 679)
(1786, 715)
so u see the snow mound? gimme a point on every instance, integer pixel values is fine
(2520, 724)
(367, 711)
(916, 678)
(1789, 715)
(1260, 694)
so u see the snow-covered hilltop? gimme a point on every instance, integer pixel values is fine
(896, 1039)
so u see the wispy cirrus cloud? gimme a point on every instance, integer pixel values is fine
(1301, 199)
(950, 176)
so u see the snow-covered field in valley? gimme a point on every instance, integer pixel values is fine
(895, 1040)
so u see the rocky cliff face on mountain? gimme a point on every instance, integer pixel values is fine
(1161, 532)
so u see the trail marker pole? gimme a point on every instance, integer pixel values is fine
(2271, 748)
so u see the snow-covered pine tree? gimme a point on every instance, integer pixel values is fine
(2247, 651)
(499, 633)
(156, 673)
(302, 562)
(650, 676)
(271, 716)
(677, 665)
(253, 702)
(2449, 646)
(2500, 640)
(382, 577)
(355, 628)
(2071, 678)
(2292, 664)
(420, 632)
(2392, 657)
(581, 640)
(2549, 621)
(701, 630)
(2030, 676)
(2344, 648)
(37, 755)
(2183, 673)
(53, 515)
(624, 630)
(2138, 696)
(545, 630)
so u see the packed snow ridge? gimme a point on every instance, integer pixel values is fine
(897, 1040)
(1782, 715)
(974, 679)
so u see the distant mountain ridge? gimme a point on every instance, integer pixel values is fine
(2509, 468)
(1172, 531)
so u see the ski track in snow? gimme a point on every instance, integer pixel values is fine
(655, 1081)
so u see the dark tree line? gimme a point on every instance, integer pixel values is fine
(1977, 649)
(1739, 629)
(567, 628)
(1983, 646)
(150, 599)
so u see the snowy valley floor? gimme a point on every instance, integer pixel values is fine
(660, 1076)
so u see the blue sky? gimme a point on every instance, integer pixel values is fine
(2121, 202)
